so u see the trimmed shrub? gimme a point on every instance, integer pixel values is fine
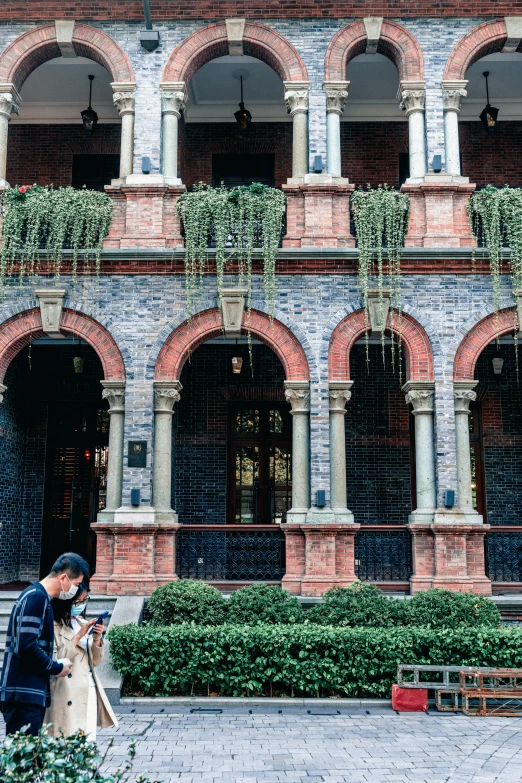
(186, 601)
(448, 609)
(261, 603)
(300, 660)
(358, 605)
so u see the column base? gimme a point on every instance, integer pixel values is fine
(438, 216)
(144, 212)
(343, 516)
(138, 515)
(296, 516)
(318, 212)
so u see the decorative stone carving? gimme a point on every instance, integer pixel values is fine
(10, 100)
(378, 310)
(235, 31)
(296, 97)
(297, 393)
(373, 27)
(232, 308)
(64, 35)
(336, 96)
(463, 396)
(173, 98)
(2, 390)
(166, 394)
(51, 304)
(421, 395)
(514, 33)
(453, 92)
(114, 393)
(123, 97)
(412, 96)
(340, 394)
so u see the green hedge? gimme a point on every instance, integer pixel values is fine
(260, 604)
(305, 660)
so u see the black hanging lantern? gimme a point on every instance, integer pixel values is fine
(488, 116)
(242, 115)
(89, 116)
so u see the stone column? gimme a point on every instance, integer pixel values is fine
(296, 99)
(463, 395)
(297, 394)
(114, 393)
(2, 390)
(123, 97)
(9, 104)
(412, 97)
(336, 95)
(421, 394)
(166, 393)
(453, 92)
(339, 395)
(173, 102)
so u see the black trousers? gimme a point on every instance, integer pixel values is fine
(17, 715)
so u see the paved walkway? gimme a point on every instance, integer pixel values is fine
(293, 745)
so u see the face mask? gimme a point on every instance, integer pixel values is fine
(78, 609)
(70, 593)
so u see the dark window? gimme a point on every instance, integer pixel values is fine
(404, 167)
(235, 170)
(94, 171)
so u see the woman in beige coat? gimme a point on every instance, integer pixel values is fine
(78, 701)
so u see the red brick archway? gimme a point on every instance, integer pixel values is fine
(211, 41)
(395, 42)
(187, 336)
(36, 46)
(24, 328)
(485, 39)
(419, 359)
(482, 334)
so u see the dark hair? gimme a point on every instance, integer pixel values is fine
(62, 609)
(71, 564)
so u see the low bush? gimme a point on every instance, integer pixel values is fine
(261, 603)
(358, 605)
(44, 759)
(447, 609)
(186, 601)
(303, 660)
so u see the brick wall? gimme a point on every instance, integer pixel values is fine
(501, 400)
(44, 153)
(370, 151)
(377, 441)
(202, 140)
(253, 9)
(492, 160)
(200, 426)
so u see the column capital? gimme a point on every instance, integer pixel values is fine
(296, 97)
(297, 393)
(114, 393)
(10, 100)
(336, 96)
(453, 91)
(463, 394)
(340, 394)
(421, 394)
(166, 394)
(412, 96)
(173, 98)
(123, 94)
(2, 390)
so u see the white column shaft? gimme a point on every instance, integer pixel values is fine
(425, 461)
(300, 461)
(337, 460)
(465, 498)
(162, 472)
(333, 143)
(300, 144)
(170, 145)
(115, 460)
(417, 144)
(451, 142)
(4, 129)
(127, 145)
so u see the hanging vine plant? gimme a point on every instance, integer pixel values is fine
(381, 222)
(39, 218)
(237, 221)
(496, 219)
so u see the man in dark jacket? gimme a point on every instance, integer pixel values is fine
(28, 658)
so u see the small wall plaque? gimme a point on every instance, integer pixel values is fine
(137, 454)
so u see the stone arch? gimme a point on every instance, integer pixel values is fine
(39, 45)
(490, 327)
(487, 38)
(190, 334)
(395, 42)
(24, 328)
(211, 41)
(419, 358)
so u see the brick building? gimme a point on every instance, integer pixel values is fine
(125, 433)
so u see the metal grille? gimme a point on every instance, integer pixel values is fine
(383, 556)
(231, 556)
(504, 557)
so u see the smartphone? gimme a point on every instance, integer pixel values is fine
(99, 619)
